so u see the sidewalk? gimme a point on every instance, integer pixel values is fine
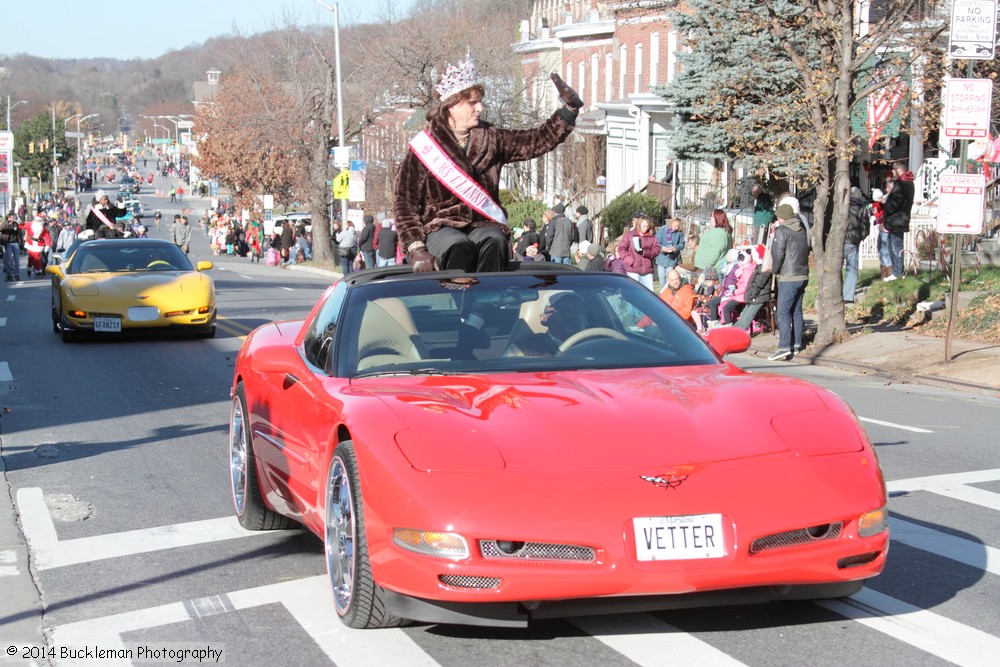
(903, 356)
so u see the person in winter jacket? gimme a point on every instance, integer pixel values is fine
(858, 227)
(790, 263)
(440, 228)
(896, 209)
(35, 241)
(671, 240)
(529, 238)
(715, 242)
(758, 293)
(638, 248)
(559, 236)
(101, 216)
(679, 295)
(366, 241)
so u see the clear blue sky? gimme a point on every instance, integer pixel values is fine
(149, 28)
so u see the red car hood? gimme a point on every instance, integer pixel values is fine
(634, 417)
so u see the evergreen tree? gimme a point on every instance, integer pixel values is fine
(774, 84)
(33, 147)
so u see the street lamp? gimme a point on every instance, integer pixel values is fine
(340, 89)
(11, 106)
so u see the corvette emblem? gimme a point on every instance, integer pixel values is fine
(141, 297)
(666, 482)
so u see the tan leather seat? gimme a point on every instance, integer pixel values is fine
(388, 335)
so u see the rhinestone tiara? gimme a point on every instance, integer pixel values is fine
(458, 77)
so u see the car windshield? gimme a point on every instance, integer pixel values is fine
(510, 322)
(122, 256)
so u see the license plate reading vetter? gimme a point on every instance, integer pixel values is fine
(112, 324)
(695, 536)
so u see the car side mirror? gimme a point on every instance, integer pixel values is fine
(54, 270)
(204, 265)
(726, 340)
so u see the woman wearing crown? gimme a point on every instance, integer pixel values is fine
(447, 188)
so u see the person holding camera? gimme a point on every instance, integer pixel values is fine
(638, 248)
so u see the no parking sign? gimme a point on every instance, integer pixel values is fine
(960, 204)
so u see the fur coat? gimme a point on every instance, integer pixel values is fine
(423, 204)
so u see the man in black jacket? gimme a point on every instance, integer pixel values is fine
(366, 241)
(858, 227)
(790, 263)
(896, 209)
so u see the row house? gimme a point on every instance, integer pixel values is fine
(614, 54)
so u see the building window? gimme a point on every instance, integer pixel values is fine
(637, 84)
(660, 156)
(582, 78)
(671, 55)
(569, 74)
(622, 68)
(654, 58)
(594, 71)
(608, 73)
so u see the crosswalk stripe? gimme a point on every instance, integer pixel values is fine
(947, 639)
(51, 552)
(933, 481)
(645, 640)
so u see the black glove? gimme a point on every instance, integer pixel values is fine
(567, 94)
(423, 261)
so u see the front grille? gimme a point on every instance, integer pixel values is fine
(826, 531)
(858, 560)
(462, 581)
(499, 549)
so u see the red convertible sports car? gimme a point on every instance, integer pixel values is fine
(492, 448)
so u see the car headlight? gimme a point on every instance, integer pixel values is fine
(432, 543)
(873, 523)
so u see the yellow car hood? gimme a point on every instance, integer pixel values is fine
(158, 285)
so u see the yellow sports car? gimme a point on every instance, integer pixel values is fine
(117, 285)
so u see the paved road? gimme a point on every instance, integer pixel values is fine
(116, 461)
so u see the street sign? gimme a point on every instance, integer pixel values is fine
(967, 108)
(960, 204)
(973, 29)
(342, 185)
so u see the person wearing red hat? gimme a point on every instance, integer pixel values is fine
(36, 240)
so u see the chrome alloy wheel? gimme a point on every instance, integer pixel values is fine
(238, 455)
(340, 535)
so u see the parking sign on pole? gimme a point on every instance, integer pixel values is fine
(973, 29)
(960, 204)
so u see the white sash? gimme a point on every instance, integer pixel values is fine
(103, 218)
(445, 170)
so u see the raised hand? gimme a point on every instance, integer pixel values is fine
(567, 94)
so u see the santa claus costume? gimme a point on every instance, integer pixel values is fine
(35, 242)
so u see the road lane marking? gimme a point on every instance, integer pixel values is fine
(51, 552)
(8, 556)
(307, 600)
(3, 321)
(892, 425)
(11, 297)
(645, 640)
(930, 482)
(5, 374)
(230, 329)
(947, 639)
(289, 289)
(968, 552)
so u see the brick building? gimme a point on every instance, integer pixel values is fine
(614, 54)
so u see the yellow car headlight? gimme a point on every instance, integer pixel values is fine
(873, 523)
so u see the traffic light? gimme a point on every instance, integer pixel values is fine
(31, 147)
